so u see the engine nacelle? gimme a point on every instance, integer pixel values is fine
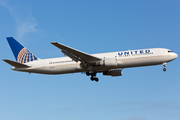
(108, 62)
(113, 72)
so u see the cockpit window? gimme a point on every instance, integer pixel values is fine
(170, 51)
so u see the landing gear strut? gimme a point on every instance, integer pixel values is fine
(164, 64)
(93, 76)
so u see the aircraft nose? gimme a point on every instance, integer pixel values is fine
(173, 55)
(176, 55)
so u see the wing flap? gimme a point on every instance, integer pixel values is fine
(16, 64)
(73, 57)
(74, 54)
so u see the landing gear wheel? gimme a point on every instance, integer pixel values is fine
(92, 78)
(96, 79)
(164, 64)
(87, 73)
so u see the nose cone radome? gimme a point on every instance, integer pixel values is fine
(176, 55)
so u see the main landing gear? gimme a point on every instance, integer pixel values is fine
(93, 76)
(164, 64)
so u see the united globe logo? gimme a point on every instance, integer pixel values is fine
(25, 56)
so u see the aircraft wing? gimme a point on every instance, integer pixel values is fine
(76, 55)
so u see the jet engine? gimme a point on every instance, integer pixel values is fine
(113, 72)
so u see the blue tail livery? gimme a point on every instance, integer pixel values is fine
(21, 54)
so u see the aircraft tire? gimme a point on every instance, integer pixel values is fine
(96, 79)
(92, 78)
(87, 73)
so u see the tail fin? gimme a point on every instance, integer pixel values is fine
(21, 54)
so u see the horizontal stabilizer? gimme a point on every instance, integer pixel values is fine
(16, 64)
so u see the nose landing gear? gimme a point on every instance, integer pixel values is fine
(93, 76)
(164, 64)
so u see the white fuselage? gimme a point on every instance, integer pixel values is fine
(121, 59)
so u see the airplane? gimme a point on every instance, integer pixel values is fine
(110, 64)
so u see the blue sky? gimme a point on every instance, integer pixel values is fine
(92, 26)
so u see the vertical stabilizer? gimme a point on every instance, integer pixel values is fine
(21, 54)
